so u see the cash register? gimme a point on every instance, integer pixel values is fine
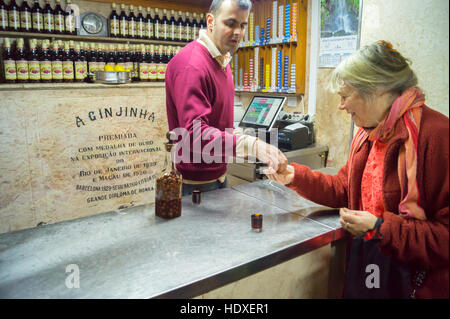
(264, 117)
(291, 133)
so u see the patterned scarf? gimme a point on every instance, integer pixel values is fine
(408, 106)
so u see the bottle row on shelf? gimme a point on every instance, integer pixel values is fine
(71, 61)
(156, 25)
(37, 19)
(148, 23)
(265, 70)
(271, 22)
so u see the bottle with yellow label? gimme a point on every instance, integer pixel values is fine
(9, 62)
(161, 64)
(57, 64)
(46, 63)
(68, 72)
(49, 24)
(34, 67)
(25, 17)
(143, 65)
(132, 23)
(80, 64)
(21, 62)
(152, 64)
(3, 16)
(123, 22)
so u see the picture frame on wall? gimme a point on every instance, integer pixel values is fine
(340, 26)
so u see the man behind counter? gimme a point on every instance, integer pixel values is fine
(200, 98)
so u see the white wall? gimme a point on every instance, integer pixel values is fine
(418, 29)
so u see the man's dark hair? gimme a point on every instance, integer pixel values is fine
(216, 4)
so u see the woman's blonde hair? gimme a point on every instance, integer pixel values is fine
(374, 68)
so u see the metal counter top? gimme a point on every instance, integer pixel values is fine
(134, 254)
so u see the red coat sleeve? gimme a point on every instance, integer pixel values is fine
(323, 189)
(425, 242)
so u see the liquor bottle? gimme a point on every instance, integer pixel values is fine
(157, 25)
(143, 64)
(59, 18)
(132, 24)
(21, 62)
(123, 22)
(152, 63)
(159, 63)
(168, 185)
(92, 59)
(149, 34)
(164, 62)
(3, 16)
(69, 23)
(57, 64)
(195, 27)
(114, 22)
(110, 57)
(202, 21)
(172, 26)
(140, 21)
(67, 60)
(48, 12)
(184, 34)
(127, 57)
(9, 64)
(37, 17)
(14, 16)
(34, 70)
(101, 58)
(165, 26)
(188, 27)
(25, 17)
(46, 63)
(179, 27)
(120, 59)
(135, 52)
(80, 64)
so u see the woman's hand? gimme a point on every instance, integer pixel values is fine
(283, 177)
(357, 222)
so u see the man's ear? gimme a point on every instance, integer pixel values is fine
(210, 21)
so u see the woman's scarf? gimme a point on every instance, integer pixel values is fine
(408, 107)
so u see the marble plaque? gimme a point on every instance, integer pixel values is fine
(75, 152)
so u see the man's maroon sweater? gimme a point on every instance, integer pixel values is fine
(199, 89)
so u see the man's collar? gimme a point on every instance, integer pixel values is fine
(222, 59)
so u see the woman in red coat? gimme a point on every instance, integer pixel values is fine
(393, 192)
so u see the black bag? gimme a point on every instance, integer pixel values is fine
(370, 274)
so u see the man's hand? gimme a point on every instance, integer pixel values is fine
(357, 222)
(285, 177)
(272, 156)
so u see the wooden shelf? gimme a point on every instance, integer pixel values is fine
(13, 34)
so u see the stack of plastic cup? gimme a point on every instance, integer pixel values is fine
(274, 70)
(256, 35)
(280, 23)
(294, 22)
(256, 59)
(251, 28)
(274, 20)
(250, 72)
(241, 79)
(279, 70)
(293, 85)
(236, 60)
(267, 77)
(261, 73)
(262, 37)
(268, 25)
(287, 24)
(286, 73)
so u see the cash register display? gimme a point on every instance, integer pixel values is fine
(262, 112)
